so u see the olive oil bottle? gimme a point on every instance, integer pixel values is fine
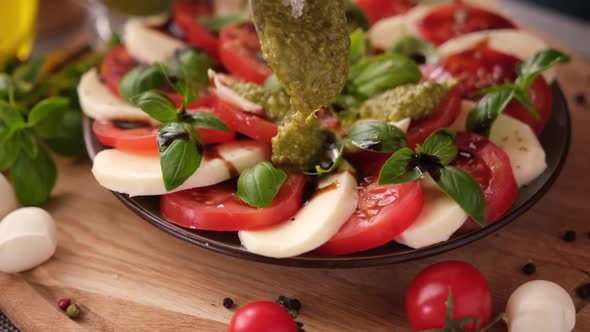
(17, 28)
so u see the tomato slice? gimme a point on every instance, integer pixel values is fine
(542, 97)
(216, 208)
(186, 16)
(446, 113)
(240, 53)
(384, 212)
(250, 125)
(490, 166)
(377, 10)
(452, 20)
(115, 65)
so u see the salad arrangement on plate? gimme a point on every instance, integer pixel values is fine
(303, 131)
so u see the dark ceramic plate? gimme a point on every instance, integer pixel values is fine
(555, 139)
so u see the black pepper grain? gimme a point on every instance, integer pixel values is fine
(580, 99)
(283, 301)
(583, 291)
(529, 268)
(300, 327)
(294, 304)
(569, 236)
(228, 303)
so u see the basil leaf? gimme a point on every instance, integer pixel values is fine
(157, 105)
(464, 190)
(412, 47)
(332, 157)
(27, 75)
(206, 120)
(273, 83)
(258, 186)
(178, 79)
(180, 155)
(524, 97)
(216, 23)
(11, 117)
(6, 87)
(195, 65)
(377, 136)
(482, 117)
(356, 17)
(33, 178)
(400, 168)
(66, 138)
(8, 153)
(28, 142)
(538, 63)
(347, 102)
(377, 74)
(140, 80)
(46, 109)
(441, 144)
(358, 45)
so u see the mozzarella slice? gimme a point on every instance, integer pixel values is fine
(316, 223)
(8, 202)
(141, 175)
(221, 84)
(440, 218)
(147, 44)
(28, 237)
(227, 7)
(518, 43)
(403, 124)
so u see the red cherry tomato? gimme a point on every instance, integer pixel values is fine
(427, 295)
(115, 65)
(240, 53)
(186, 16)
(383, 213)
(443, 116)
(262, 316)
(377, 10)
(216, 208)
(490, 166)
(448, 21)
(250, 125)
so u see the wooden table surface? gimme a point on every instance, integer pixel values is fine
(129, 276)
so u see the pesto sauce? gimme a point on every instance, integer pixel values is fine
(416, 101)
(276, 103)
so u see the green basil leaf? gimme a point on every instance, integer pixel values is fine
(347, 102)
(66, 138)
(377, 136)
(47, 108)
(524, 97)
(206, 120)
(8, 153)
(358, 45)
(356, 17)
(179, 80)
(273, 83)
(400, 168)
(139, 80)
(6, 87)
(33, 178)
(441, 144)
(27, 75)
(258, 186)
(411, 46)
(157, 105)
(538, 63)
(216, 23)
(332, 157)
(464, 190)
(11, 117)
(377, 74)
(180, 154)
(28, 142)
(195, 65)
(482, 117)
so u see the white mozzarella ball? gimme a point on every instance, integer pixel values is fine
(8, 202)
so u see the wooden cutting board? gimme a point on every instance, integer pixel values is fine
(129, 276)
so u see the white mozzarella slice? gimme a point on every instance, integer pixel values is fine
(99, 103)
(149, 45)
(403, 124)
(222, 90)
(8, 202)
(28, 237)
(228, 7)
(518, 43)
(313, 225)
(141, 175)
(440, 218)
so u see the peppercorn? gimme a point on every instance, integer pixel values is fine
(283, 301)
(583, 291)
(580, 99)
(293, 313)
(529, 268)
(64, 303)
(294, 304)
(73, 311)
(228, 303)
(569, 236)
(300, 327)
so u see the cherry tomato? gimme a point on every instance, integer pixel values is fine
(443, 116)
(427, 296)
(262, 316)
(240, 53)
(115, 65)
(490, 166)
(248, 124)
(383, 213)
(186, 16)
(377, 10)
(216, 208)
(451, 20)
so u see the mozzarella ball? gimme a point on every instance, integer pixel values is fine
(8, 202)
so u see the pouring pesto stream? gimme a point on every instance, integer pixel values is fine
(302, 136)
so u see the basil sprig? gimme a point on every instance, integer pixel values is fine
(356, 17)
(413, 48)
(377, 136)
(496, 99)
(434, 158)
(358, 45)
(259, 185)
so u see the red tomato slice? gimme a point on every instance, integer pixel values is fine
(115, 65)
(377, 10)
(368, 163)
(443, 116)
(250, 125)
(240, 53)
(452, 20)
(542, 97)
(490, 166)
(216, 208)
(384, 212)
(186, 16)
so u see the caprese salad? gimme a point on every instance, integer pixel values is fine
(292, 125)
